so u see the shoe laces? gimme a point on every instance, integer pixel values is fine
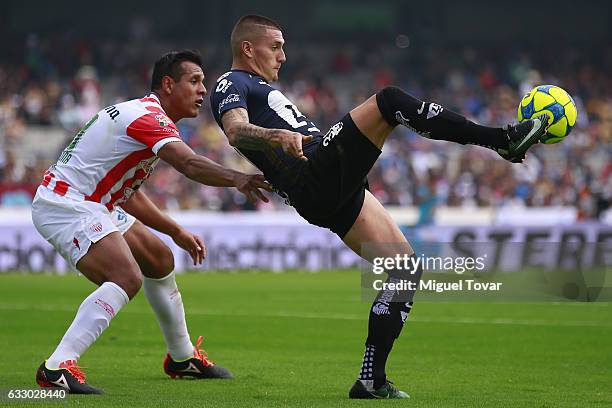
(202, 355)
(391, 388)
(74, 370)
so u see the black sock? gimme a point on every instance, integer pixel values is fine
(435, 122)
(383, 329)
(373, 366)
(387, 316)
(367, 370)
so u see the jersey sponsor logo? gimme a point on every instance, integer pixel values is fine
(170, 130)
(332, 132)
(223, 85)
(112, 111)
(107, 308)
(163, 120)
(380, 308)
(231, 98)
(75, 241)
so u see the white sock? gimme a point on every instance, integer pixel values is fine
(165, 299)
(92, 318)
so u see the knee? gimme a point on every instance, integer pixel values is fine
(130, 281)
(390, 91)
(165, 262)
(390, 95)
(161, 263)
(389, 101)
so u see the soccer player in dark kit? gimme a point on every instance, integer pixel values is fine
(324, 176)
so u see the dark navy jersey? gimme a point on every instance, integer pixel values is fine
(268, 108)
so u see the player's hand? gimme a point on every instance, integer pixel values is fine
(192, 244)
(250, 185)
(291, 142)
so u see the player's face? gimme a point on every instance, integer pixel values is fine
(268, 54)
(188, 93)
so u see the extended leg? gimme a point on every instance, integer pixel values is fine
(392, 106)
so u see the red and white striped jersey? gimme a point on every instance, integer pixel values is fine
(114, 153)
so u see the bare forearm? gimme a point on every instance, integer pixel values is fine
(196, 167)
(206, 171)
(141, 207)
(248, 136)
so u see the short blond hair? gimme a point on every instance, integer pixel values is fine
(249, 28)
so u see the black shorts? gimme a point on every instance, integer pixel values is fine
(333, 183)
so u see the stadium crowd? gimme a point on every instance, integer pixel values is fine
(44, 90)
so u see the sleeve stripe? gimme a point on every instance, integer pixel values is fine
(163, 142)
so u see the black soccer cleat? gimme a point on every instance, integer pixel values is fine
(364, 389)
(522, 136)
(199, 366)
(69, 377)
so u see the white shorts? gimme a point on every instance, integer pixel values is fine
(71, 225)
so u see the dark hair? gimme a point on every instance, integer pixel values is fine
(247, 28)
(170, 65)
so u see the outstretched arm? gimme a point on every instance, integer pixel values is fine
(141, 207)
(205, 171)
(242, 134)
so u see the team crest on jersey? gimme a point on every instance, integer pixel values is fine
(162, 120)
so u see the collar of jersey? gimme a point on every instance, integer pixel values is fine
(248, 72)
(152, 95)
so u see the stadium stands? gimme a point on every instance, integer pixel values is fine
(44, 100)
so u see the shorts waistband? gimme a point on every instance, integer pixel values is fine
(60, 187)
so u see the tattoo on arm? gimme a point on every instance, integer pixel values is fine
(244, 134)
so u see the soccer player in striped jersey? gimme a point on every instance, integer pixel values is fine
(90, 208)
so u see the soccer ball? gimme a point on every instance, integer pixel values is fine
(557, 104)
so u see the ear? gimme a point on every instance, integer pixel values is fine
(247, 48)
(167, 84)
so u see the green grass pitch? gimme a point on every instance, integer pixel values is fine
(296, 340)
